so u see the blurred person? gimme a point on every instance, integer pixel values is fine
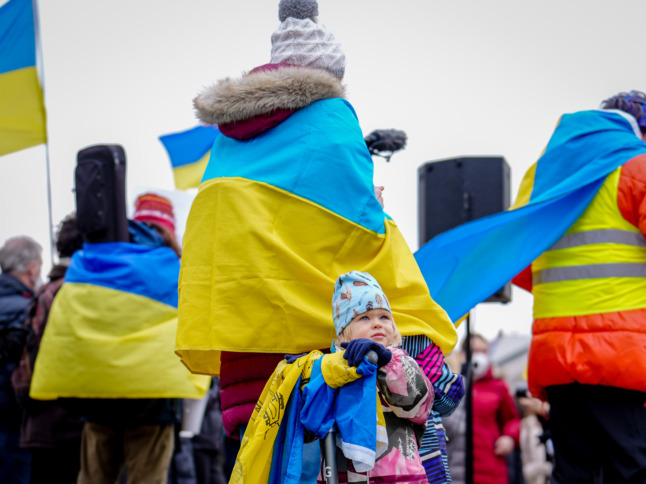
(20, 261)
(496, 425)
(275, 221)
(535, 455)
(50, 432)
(200, 458)
(208, 444)
(108, 350)
(588, 352)
(156, 212)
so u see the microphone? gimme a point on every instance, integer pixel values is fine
(385, 142)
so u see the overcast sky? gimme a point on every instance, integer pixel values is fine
(468, 77)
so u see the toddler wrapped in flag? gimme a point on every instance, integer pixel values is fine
(339, 390)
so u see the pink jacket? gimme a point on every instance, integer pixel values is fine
(406, 397)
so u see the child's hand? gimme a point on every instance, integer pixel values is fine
(357, 349)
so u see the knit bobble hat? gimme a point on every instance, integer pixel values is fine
(301, 40)
(155, 209)
(355, 293)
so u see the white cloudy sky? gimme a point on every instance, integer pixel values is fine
(461, 77)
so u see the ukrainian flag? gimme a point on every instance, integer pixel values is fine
(276, 220)
(22, 111)
(111, 329)
(189, 154)
(465, 265)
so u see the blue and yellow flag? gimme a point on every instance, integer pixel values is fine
(276, 220)
(22, 111)
(189, 154)
(465, 265)
(111, 329)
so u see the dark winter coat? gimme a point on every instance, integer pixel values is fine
(44, 423)
(15, 298)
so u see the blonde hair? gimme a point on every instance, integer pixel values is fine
(346, 334)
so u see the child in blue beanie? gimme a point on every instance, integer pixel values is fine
(364, 322)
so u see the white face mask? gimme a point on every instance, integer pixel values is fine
(479, 364)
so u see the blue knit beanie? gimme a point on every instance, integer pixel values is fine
(355, 293)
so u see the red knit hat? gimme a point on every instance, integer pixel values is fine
(155, 209)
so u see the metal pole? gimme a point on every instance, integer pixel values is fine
(469, 406)
(330, 469)
(41, 74)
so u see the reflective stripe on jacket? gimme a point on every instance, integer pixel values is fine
(598, 266)
(590, 293)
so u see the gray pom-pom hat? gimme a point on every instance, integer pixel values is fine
(301, 40)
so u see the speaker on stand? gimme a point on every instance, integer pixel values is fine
(452, 192)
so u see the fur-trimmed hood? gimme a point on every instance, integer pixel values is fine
(261, 92)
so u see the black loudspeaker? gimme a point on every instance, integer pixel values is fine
(100, 189)
(457, 190)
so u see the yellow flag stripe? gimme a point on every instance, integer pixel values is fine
(104, 343)
(281, 303)
(22, 111)
(190, 176)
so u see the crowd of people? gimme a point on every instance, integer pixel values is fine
(81, 436)
(101, 367)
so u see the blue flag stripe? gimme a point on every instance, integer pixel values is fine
(335, 151)
(17, 40)
(137, 269)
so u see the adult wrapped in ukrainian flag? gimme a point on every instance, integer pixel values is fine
(274, 223)
(111, 329)
(286, 204)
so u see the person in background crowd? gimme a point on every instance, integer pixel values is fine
(496, 425)
(108, 354)
(536, 454)
(20, 261)
(50, 432)
(135, 435)
(156, 212)
(201, 456)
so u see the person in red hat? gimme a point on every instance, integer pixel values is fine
(157, 212)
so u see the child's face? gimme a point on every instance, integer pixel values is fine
(376, 324)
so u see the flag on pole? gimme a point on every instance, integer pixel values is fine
(467, 264)
(189, 153)
(22, 110)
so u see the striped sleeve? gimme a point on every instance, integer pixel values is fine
(448, 386)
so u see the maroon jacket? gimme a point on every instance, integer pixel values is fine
(242, 378)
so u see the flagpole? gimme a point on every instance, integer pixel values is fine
(41, 75)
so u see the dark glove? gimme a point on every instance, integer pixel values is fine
(357, 349)
(292, 358)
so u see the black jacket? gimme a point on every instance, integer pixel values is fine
(15, 298)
